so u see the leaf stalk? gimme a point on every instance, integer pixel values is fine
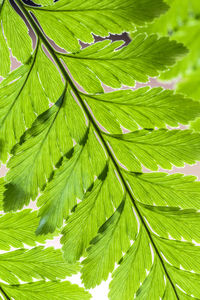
(77, 93)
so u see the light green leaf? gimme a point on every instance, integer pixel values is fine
(49, 138)
(70, 182)
(2, 190)
(151, 149)
(190, 85)
(53, 290)
(181, 23)
(21, 101)
(163, 189)
(17, 229)
(103, 62)
(153, 286)
(16, 34)
(107, 247)
(36, 263)
(4, 56)
(144, 107)
(97, 205)
(172, 222)
(132, 270)
(183, 254)
(77, 20)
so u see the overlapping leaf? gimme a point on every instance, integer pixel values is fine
(182, 24)
(70, 182)
(144, 220)
(11, 22)
(22, 101)
(29, 265)
(77, 20)
(104, 62)
(22, 233)
(50, 138)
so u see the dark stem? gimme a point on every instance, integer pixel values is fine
(4, 293)
(98, 131)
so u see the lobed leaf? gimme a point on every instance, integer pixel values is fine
(21, 102)
(36, 263)
(103, 62)
(77, 20)
(12, 22)
(50, 138)
(151, 149)
(142, 108)
(97, 205)
(71, 180)
(48, 290)
(17, 229)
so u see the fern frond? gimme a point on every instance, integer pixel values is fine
(46, 290)
(22, 232)
(50, 137)
(38, 263)
(142, 108)
(33, 264)
(80, 169)
(12, 22)
(78, 20)
(103, 62)
(137, 231)
(21, 102)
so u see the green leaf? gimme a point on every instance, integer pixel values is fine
(77, 20)
(70, 181)
(4, 56)
(17, 229)
(97, 205)
(173, 222)
(152, 149)
(163, 189)
(46, 290)
(21, 101)
(33, 264)
(36, 263)
(16, 34)
(103, 62)
(189, 85)
(181, 23)
(142, 108)
(132, 270)
(50, 138)
(153, 286)
(107, 247)
(2, 190)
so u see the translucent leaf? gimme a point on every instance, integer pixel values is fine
(49, 138)
(163, 189)
(17, 229)
(132, 270)
(38, 263)
(145, 56)
(70, 182)
(4, 56)
(107, 247)
(77, 20)
(142, 108)
(47, 290)
(151, 149)
(21, 101)
(97, 205)
(16, 34)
